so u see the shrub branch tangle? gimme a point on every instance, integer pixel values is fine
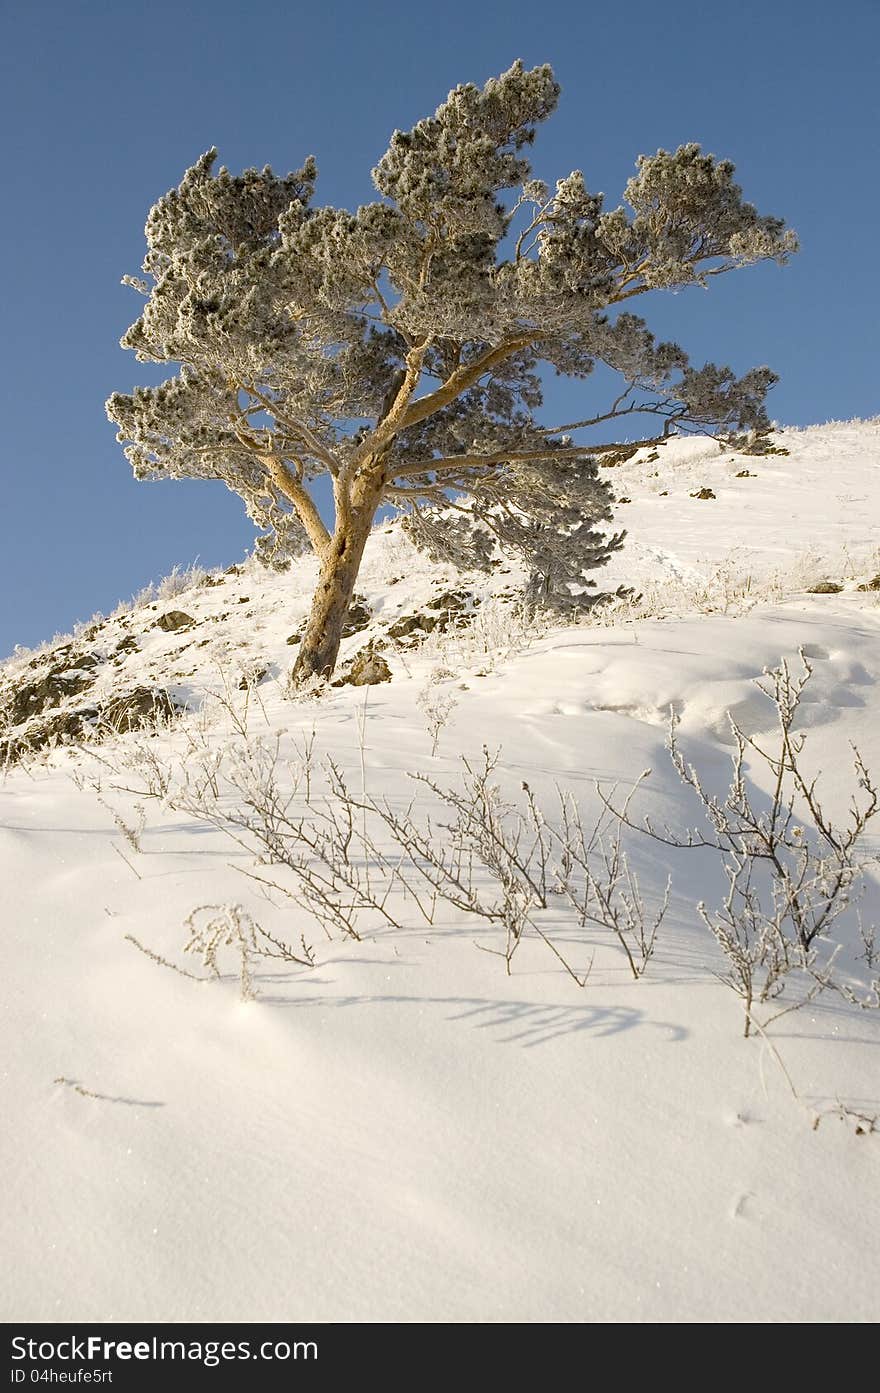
(397, 350)
(791, 872)
(354, 862)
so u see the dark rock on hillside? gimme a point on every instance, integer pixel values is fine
(66, 655)
(142, 706)
(760, 443)
(54, 729)
(50, 687)
(359, 616)
(824, 587)
(454, 602)
(174, 619)
(452, 608)
(612, 458)
(366, 669)
(409, 624)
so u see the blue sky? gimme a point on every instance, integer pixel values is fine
(105, 104)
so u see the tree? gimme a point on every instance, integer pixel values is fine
(398, 349)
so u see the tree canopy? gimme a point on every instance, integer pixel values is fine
(399, 348)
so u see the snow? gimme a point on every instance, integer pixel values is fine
(800, 514)
(404, 1132)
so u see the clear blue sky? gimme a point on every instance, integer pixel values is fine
(105, 104)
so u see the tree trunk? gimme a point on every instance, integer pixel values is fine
(339, 571)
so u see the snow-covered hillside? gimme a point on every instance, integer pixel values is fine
(405, 1130)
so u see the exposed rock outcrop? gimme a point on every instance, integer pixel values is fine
(173, 620)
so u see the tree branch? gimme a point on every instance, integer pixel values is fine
(536, 221)
(626, 444)
(286, 482)
(467, 462)
(432, 492)
(386, 429)
(636, 409)
(692, 261)
(461, 379)
(299, 428)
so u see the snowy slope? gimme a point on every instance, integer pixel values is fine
(405, 1131)
(793, 517)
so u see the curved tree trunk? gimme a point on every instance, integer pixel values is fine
(340, 565)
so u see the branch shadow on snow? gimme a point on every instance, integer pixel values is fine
(526, 1023)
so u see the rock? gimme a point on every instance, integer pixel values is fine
(141, 706)
(63, 725)
(232, 571)
(50, 687)
(129, 644)
(760, 443)
(453, 607)
(413, 623)
(873, 584)
(453, 601)
(367, 669)
(824, 587)
(703, 493)
(173, 620)
(745, 474)
(60, 652)
(358, 617)
(624, 500)
(46, 726)
(55, 729)
(297, 637)
(612, 458)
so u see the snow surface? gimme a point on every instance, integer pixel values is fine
(404, 1132)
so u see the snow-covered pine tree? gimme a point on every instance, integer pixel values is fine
(397, 349)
